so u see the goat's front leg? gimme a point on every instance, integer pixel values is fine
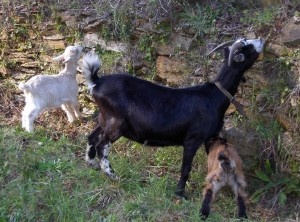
(93, 140)
(188, 155)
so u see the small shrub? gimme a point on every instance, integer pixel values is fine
(275, 184)
(201, 19)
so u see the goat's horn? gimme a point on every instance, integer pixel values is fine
(221, 46)
(234, 47)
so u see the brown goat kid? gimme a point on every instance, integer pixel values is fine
(224, 168)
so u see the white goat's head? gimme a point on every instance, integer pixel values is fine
(71, 54)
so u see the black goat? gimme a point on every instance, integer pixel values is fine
(160, 116)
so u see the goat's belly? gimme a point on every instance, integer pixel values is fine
(153, 142)
(158, 137)
(161, 143)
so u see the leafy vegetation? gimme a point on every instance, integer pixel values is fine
(260, 18)
(201, 19)
(277, 185)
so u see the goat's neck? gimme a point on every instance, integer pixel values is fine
(230, 78)
(70, 68)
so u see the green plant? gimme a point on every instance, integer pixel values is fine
(275, 184)
(201, 19)
(145, 44)
(8, 63)
(60, 26)
(119, 24)
(259, 18)
(267, 129)
(20, 33)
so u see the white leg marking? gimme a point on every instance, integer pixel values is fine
(105, 165)
(106, 150)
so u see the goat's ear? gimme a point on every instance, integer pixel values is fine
(58, 58)
(239, 57)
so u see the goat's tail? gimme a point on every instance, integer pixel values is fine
(225, 162)
(23, 86)
(90, 67)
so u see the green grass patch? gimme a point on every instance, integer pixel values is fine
(45, 178)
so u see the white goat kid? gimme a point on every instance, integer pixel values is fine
(51, 91)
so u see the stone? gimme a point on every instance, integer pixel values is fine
(231, 109)
(245, 143)
(182, 41)
(198, 72)
(70, 19)
(93, 40)
(290, 34)
(28, 71)
(80, 78)
(277, 49)
(283, 120)
(94, 24)
(55, 44)
(164, 50)
(48, 29)
(4, 71)
(33, 64)
(20, 57)
(46, 58)
(22, 76)
(4, 35)
(171, 70)
(250, 35)
(56, 37)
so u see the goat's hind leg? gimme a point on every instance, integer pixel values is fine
(93, 141)
(239, 196)
(28, 116)
(102, 150)
(207, 199)
(76, 110)
(213, 185)
(69, 111)
(241, 207)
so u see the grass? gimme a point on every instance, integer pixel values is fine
(45, 178)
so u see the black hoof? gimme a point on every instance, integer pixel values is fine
(204, 212)
(203, 217)
(181, 195)
(243, 216)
